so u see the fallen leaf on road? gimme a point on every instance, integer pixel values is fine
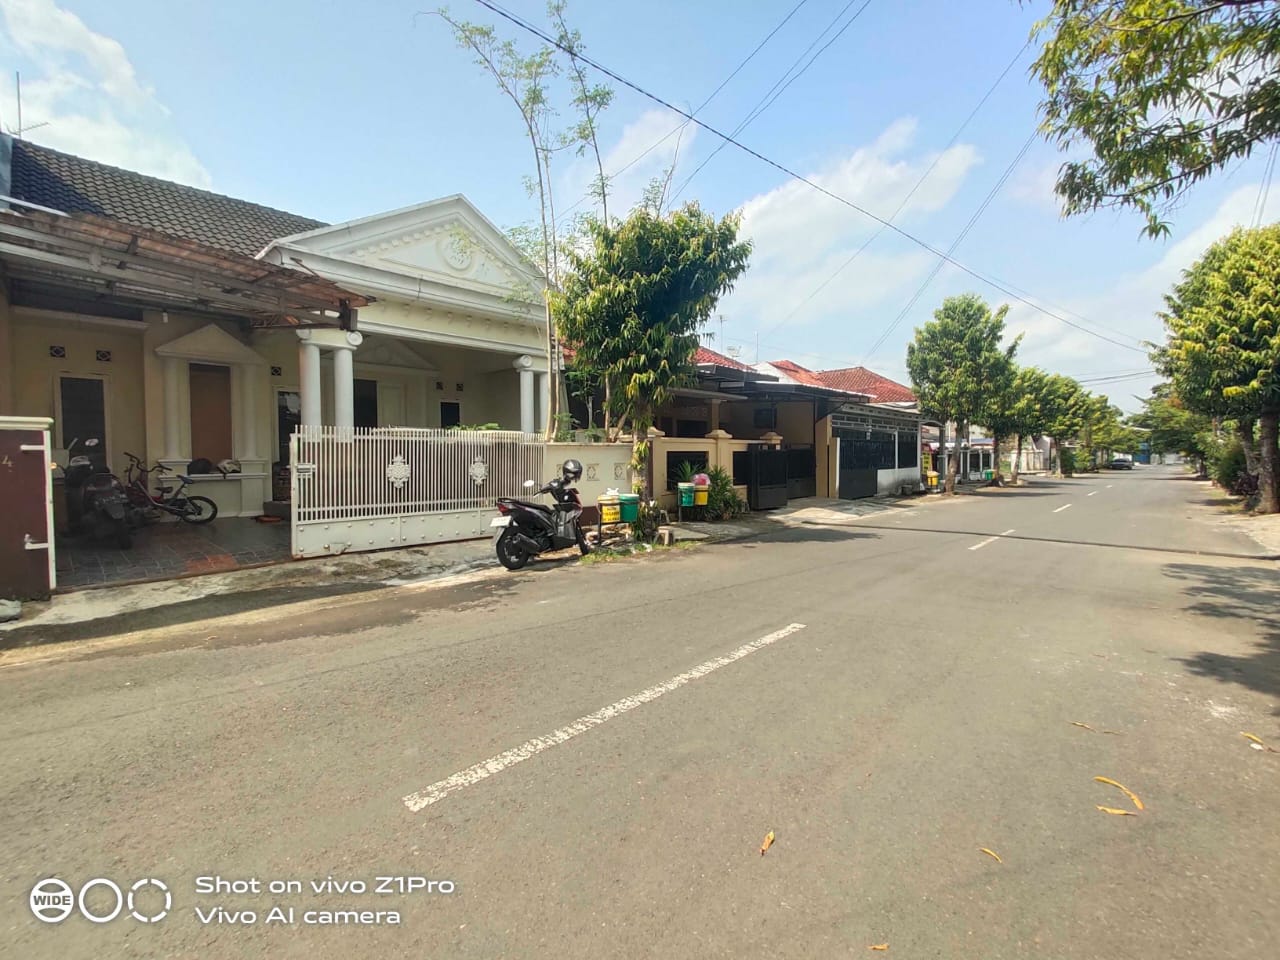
(768, 842)
(1256, 746)
(1125, 790)
(991, 853)
(1114, 733)
(1077, 723)
(1255, 739)
(878, 946)
(1118, 813)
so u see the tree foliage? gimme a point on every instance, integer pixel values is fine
(1163, 93)
(635, 299)
(955, 359)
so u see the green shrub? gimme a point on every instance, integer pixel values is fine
(1227, 465)
(723, 502)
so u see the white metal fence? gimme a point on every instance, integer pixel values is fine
(366, 489)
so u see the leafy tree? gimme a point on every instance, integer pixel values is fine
(1064, 405)
(1223, 347)
(954, 360)
(1011, 409)
(1172, 428)
(589, 100)
(634, 301)
(1164, 93)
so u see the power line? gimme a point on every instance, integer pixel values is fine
(1264, 191)
(714, 93)
(955, 244)
(782, 168)
(780, 87)
(911, 193)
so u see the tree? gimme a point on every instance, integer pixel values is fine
(1172, 428)
(1164, 93)
(1223, 347)
(953, 361)
(1005, 414)
(634, 301)
(1063, 404)
(1025, 416)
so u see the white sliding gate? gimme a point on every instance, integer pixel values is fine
(368, 489)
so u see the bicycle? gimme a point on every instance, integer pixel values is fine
(189, 509)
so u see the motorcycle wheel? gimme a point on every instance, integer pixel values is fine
(199, 510)
(583, 547)
(510, 555)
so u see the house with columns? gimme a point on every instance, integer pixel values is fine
(425, 316)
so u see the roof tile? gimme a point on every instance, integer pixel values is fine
(75, 185)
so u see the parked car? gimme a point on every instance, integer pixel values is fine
(1121, 463)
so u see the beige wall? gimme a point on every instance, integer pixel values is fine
(35, 375)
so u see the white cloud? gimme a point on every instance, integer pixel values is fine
(1034, 186)
(802, 239)
(1128, 308)
(646, 149)
(85, 91)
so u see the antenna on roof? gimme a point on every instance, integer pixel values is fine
(734, 352)
(17, 85)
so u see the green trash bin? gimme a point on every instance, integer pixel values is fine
(629, 507)
(988, 474)
(686, 494)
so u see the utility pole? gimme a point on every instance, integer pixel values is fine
(757, 346)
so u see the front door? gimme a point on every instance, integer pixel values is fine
(26, 550)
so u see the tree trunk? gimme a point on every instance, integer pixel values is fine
(1017, 460)
(1244, 430)
(1269, 462)
(997, 479)
(608, 401)
(953, 464)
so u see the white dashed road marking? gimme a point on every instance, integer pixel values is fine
(980, 545)
(1065, 506)
(1092, 492)
(531, 748)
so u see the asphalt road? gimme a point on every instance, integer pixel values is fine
(593, 754)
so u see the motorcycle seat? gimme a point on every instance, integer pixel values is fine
(533, 506)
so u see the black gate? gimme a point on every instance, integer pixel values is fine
(802, 473)
(859, 459)
(766, 478)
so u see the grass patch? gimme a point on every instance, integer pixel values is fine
(607, 554)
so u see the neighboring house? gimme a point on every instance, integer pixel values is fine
(176, 323)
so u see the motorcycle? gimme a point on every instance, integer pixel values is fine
(525, 529)
(96, 500)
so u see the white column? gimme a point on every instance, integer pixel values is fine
(244, 379)
(309, 379)
(344, 381)
(173, 368)
(525, 366)
(541, 381)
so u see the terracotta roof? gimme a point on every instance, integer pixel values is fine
(798, 373)
(705, 355)
(75, 185)
(861, 380)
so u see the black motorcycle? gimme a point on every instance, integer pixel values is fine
(525, 529)
(96, 501)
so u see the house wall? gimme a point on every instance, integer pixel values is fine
(7, 358)
(34, 375)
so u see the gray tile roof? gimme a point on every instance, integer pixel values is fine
(75, 185)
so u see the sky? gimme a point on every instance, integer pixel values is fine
(339, 110)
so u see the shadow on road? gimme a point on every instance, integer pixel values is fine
(814, 532)
(1250, 594)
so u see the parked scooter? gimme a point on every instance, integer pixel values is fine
(525, 529)
(96, 500)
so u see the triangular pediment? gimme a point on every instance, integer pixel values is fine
(445, 241)
(210, 344)
(389, 352)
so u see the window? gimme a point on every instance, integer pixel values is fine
(210, 411)
(450, 413)
(366, 403)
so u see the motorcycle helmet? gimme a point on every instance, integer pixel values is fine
(572, 470)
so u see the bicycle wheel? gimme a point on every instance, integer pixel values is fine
(199, 510)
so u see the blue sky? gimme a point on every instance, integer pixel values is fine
(338, 110)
